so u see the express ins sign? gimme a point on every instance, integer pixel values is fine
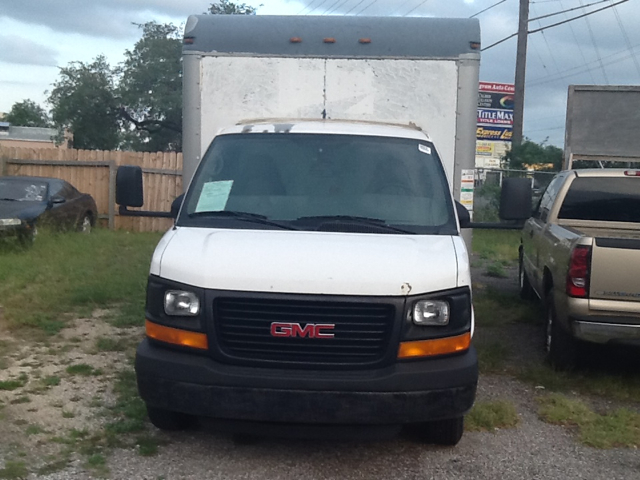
(310, 330)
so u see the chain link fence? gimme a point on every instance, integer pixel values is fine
(488, 185)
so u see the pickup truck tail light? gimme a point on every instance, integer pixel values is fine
(579, 270)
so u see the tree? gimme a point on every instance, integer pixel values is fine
(225, 7)
(28, 114)
(83, 102)
(150, 89)
(534, 155)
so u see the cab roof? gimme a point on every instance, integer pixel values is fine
(334, 127)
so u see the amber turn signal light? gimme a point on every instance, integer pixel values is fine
(176, 336)
(430, 348)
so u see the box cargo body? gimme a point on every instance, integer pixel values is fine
(420, 71)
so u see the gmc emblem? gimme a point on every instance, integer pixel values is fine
(311, 330)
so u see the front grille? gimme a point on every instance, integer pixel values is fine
(361, 333)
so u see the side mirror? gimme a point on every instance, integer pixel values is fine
(175, 206)
(129, 186)
(463, 215)
(515, 199)
(57, 199)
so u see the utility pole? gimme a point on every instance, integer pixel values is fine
(521, 65)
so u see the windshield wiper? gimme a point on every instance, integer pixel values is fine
(375, 222)
(245, 216)
(9, 199)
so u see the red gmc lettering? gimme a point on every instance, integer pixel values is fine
(311, 330)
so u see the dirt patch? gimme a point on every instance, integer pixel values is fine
(61, 386)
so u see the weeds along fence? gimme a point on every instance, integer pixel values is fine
(94, 172)
(488, 185)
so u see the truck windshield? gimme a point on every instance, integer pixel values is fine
(612, 199)
(321, 182)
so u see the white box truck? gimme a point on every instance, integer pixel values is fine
(316, 274)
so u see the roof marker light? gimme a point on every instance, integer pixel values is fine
(188, 40)
(365, 40)
(474, 45)
(329, 40)
(295, 40)
(632, 173)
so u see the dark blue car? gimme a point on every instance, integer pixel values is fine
(29, 202)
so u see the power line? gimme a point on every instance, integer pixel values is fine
(368, 6)
(567, 10)
(338, 7)
(495, 5)
(626, 38)
(595, 47)
(555, 24)
(356, 6)
(416, 7)
(579, 44)
(578, 71)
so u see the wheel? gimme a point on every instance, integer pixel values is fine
(29, 237)
(526, 290)
(85, 224)
(168, 420)
(440, 432)
(562, 349)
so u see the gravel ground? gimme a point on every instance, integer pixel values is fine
(532, 450)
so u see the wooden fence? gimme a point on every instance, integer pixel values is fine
(94, 172)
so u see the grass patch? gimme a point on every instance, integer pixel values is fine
(34, 430)
(492, 356)
(490, 416)
(107, 344)
(129, 409)
(53, 467)
(88, 271)
(497, 245)
(83, 369)
(51, 381)
(621, 387)
(620, 428)
(496, 270)
(14, 470)
(147, 446)
(20, 399)
(21, 381)
(494, 308)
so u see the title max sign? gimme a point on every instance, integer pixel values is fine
(490, 116)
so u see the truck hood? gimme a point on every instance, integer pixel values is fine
(311, 262)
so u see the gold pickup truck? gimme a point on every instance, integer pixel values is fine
(580, 254)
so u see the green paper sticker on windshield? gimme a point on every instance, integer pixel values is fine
(214, 196)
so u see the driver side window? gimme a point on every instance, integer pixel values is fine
(546, 201)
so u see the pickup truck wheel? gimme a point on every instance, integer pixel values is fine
(168, 420)
(440, 432)
(526, 291)
(562, 348)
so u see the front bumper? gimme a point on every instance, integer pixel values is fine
(405, 392)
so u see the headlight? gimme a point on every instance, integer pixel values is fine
(6, 222)
(431, 313)
(181, 303)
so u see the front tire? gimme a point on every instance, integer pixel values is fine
(440, 432)
(563, 351)
(168, 420)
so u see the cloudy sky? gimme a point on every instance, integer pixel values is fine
(38, 36)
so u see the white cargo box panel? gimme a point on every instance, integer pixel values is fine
(396, 70)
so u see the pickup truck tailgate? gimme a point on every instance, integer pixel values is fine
(615, 274)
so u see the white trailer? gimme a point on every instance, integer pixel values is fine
(421, 71)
